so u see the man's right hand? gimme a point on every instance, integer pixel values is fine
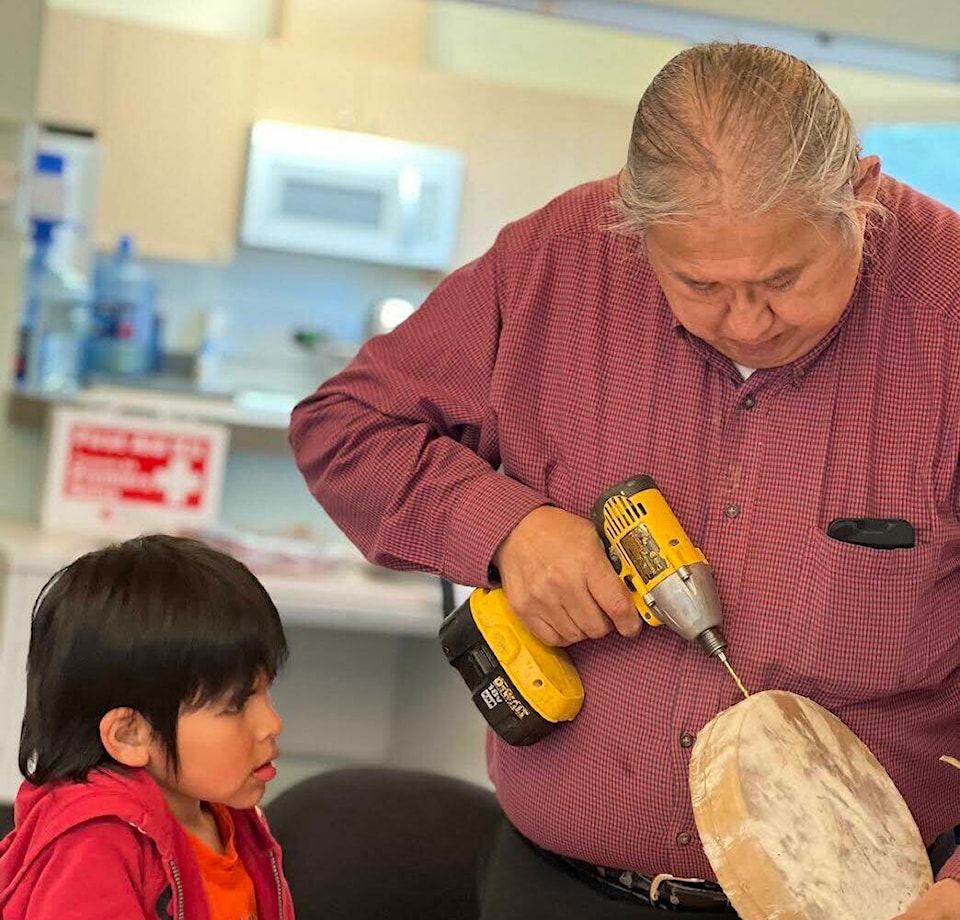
(559, 581)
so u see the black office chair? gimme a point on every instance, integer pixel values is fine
(384, 844)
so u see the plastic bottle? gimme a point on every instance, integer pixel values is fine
(207, 368)
(124, 320)
(56, 320)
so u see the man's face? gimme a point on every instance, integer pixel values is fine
(762, 290)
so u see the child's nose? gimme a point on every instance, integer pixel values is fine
(276, 723)
(271, 724)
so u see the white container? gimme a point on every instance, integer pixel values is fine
(208, 367)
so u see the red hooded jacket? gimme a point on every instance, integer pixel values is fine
(110, 847)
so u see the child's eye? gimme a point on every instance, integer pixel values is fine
(236, 705)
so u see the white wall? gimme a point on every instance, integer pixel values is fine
(547, 52)
(544, 52)
(235, 18)
(926, 23)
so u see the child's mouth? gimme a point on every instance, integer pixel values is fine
(265, 772)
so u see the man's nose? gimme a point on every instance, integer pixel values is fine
(749, 318)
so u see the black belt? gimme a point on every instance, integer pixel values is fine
(670, 893)
(664, 891)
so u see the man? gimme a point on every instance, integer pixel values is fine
(772, 331)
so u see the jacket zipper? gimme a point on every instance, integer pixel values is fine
(276, 879)
(176, 880)
(174, 871)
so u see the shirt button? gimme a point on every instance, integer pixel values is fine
(683, 840)
(686, 740)
(732, 511)
(748, 401)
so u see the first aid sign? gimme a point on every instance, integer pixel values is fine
(119, 475)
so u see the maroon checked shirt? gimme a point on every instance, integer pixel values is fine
(556, 359)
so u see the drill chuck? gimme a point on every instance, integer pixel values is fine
(712, 641)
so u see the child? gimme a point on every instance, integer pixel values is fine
(147, 742)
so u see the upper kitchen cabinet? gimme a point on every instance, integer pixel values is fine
(176, 113)
(299, 85)
(525, 147)
(371, 30)
(70, 92)
(522, 146)
(173, 111)
(419, 105)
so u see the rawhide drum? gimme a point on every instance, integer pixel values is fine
(798, 818)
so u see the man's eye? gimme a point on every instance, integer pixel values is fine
(701, 287)
(782, 284)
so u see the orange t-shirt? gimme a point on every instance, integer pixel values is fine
(229, 888)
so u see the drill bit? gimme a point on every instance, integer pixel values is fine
(733, 674)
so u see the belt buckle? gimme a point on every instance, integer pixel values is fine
(658, 880)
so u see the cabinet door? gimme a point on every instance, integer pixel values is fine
(522, 146)
(364, 29)
(304, 86)
(175, 123)
(70, 92)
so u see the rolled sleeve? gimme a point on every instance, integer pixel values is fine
(490, 507)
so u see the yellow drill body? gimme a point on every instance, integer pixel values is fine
(525, 688)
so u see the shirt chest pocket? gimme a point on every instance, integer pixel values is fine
(850, 637)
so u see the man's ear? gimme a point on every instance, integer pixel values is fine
(866, 181)
(127, 737)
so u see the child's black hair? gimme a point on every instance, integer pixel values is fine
(154, 624)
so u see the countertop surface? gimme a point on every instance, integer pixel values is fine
(342, 593)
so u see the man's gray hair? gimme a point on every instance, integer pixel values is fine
(739, 128)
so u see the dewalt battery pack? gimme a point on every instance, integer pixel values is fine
(523, 688)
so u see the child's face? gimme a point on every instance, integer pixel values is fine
(226, 751)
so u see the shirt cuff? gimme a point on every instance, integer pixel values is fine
(951, 868)
(491, 506)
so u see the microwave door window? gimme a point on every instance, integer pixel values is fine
(313, 201)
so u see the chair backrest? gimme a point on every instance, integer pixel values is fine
(384, 844)
(6, 819)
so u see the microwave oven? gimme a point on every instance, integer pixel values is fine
(351, 195)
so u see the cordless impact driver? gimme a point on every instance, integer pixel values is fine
(524, 688)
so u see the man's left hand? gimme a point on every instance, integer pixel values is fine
(941, 902)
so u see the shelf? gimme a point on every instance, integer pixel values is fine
(257, 421)
(349, 596)
(356, 600)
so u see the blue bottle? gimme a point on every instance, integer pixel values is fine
(124, 315)
(56, 320)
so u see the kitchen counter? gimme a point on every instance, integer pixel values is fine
(348, 595)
